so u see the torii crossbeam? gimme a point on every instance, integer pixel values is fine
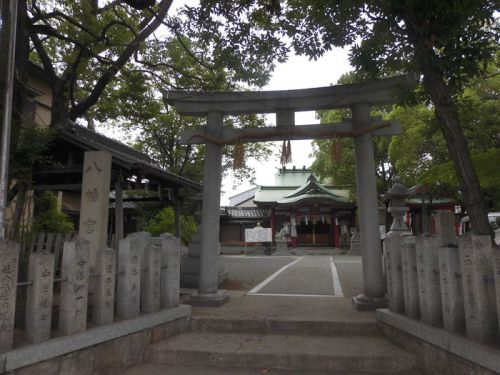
(358, 97)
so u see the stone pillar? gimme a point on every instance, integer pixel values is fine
(74, 290)
(104, 293)
(118, 210)
(94, 206)
(39, 297)
(429, 285)
(210, 221)
(451, 289)
(150, 283)
(9, 260)
(476, 262)
(129, 279)
(170, 271)
(410, 279)
(373, 296)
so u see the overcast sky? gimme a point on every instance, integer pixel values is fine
(297, 73)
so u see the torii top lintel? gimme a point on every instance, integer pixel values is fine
(378, 92)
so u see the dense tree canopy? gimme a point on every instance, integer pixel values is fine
(446, 42)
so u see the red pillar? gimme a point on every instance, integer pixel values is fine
(336, 237)
(273, 222)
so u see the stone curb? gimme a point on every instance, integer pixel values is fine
(56, 347)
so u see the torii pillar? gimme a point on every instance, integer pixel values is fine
(366, 184)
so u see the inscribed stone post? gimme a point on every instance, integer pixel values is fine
(445, 228)
(451, 289)
(484, 289)
(9, 258)
(150, 282)
(170, 271)
(392, 248)
(141, 240)
(74, 290)
(428, 279)
(470, 297)
(95, 200)
(104, 292)
(39, 297)
(496, 265)
(129, 279)
(410, 279)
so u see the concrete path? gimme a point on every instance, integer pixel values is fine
(305, 276)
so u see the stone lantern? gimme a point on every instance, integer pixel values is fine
(398, 194)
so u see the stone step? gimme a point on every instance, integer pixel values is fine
(160, 369)
(342, 353)
(286, 326)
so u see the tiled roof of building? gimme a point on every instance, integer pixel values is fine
(243, 197)
(245, 212)
(123, 155)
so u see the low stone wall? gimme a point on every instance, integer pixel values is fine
(438, 351)
(105, 350)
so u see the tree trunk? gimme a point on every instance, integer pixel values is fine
(449, 122)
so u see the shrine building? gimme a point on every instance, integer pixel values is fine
(312, 213)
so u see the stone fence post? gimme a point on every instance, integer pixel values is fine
(129, 279)
(476, 261)
(104, 292)
(170, 270)
(74, 288)
(39, 296)
(9, 260)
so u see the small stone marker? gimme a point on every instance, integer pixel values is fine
(451, 289)
(150, 283)
(479, 279)
(470, 298)
(74, 290)
(429, 285)
(129, 279)
(39, 297)
(170, 271)
(410, 279)
(104, 292)
(9, 259)
(392, 248)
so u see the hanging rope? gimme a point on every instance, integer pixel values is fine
(336, 151)
(287, 133)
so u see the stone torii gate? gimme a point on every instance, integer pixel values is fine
(358, 97)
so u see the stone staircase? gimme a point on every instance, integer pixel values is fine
(218, 345)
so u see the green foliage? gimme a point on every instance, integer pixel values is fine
(164, 222)
(50, 219)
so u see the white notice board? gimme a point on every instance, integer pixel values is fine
(258, 235)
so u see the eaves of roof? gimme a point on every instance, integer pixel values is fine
(123, 155)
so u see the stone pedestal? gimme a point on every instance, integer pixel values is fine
(281, 247)
(190, 265)
(213, 299)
